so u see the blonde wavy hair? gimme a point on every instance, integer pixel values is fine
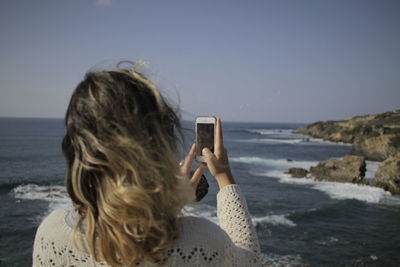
(123, 174)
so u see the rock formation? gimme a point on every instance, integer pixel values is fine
(376, 148)
(350, 169)
(298, 172)
(373, 137)
(388, 175)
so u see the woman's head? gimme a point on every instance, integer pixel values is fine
(123, 174)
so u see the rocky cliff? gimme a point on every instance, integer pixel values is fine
(388, 175)
(376, 137)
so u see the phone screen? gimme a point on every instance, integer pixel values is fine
(205, 137)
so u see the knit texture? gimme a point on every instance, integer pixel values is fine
(200, 242)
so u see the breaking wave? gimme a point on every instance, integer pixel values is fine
(275, 219)
(274, 163)
(274, 141)
(58, 198)
(275, 260)
(56, 195)
(336, 190)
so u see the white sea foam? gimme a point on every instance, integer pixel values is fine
(282, 176)
(293, 140)
(319, 140)
(210, 212)
(274, 219)
(56, 195)
(275, 260)
(274, 141)
(33, 191)
(338, 190)
(282, 164)
(346, 190)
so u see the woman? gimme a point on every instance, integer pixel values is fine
(128, 189)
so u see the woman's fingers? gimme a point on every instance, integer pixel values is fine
(186, 168)
(219, 142)
(211, 160)
(197, 175)
(187, 164)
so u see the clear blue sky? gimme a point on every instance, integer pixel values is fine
(273, 61)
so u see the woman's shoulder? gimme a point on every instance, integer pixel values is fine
(55, 217)
(53, 243)
(200, 223)
(200, 230)
(53, 225)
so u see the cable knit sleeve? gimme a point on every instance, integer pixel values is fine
(235, 220)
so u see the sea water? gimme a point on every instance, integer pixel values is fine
(299, 221)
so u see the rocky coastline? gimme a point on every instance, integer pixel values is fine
(373, 137)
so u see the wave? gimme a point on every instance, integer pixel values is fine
(275, 260)
(293, 141)
(199, 209)
(210, 212)
(34, 191)
(11, 183)
(275, 219)
(273, 141)
(322, 141)
(56, 195)
(275, 163)
(336, 190)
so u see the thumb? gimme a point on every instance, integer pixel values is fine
(208, 155)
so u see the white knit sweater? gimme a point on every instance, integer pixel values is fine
(200, 242)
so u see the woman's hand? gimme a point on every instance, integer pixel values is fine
(218, 162)
(186, 168)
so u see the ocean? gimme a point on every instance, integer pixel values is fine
(300, 222)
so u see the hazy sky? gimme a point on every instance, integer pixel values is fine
(273, 61)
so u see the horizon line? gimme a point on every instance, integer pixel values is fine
(185, 120)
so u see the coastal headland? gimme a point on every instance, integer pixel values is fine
(373, 137)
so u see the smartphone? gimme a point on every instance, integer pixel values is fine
(205, 133)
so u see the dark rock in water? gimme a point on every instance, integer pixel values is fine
(298, 172)
(376, 148)
(388, 175)
(349, 169)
